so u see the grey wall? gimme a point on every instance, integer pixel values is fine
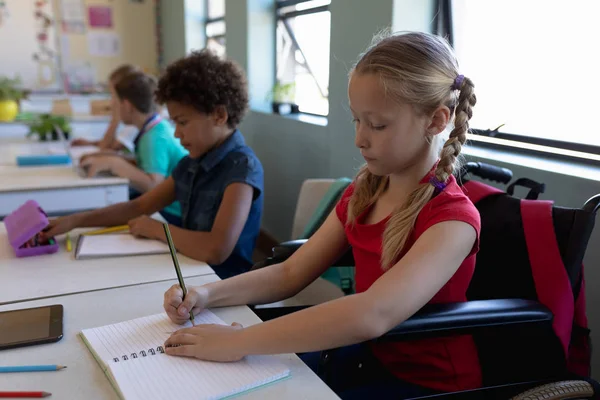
(292, 150)
(173, 34)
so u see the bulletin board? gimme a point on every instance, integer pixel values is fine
(88, 39)
(21, 39)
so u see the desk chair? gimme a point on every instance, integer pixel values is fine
(513, 326)
(316, 199)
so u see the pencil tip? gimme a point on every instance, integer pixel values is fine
(61, 367)
(46, 394)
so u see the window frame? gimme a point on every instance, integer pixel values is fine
(208, 21)
(284, 17)
(443, 26)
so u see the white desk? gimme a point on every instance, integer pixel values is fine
(10, 149)
(83, 379)
(30, 278)
(58, 189)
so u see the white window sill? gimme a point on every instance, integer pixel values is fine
(301, 117)
(538, 161)
(307, 118)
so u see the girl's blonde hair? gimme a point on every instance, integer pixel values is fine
(419, 69)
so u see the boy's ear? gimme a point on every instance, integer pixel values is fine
(220, 115)
(439, 120)
(126, 103)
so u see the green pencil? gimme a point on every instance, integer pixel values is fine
(176, 264)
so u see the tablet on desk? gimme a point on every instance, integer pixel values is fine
(30, 326)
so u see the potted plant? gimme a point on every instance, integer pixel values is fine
(282, 98)
(44, 127)
(10, 95)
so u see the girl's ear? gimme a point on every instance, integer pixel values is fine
(439, 120)
(220, 115)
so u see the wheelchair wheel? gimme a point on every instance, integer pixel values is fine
(558, 391)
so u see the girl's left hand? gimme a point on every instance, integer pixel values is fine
(145, 226)
(206, 342)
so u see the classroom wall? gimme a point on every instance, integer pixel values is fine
(292, 150)
(173, 35)
(18, 44)
(133, 22)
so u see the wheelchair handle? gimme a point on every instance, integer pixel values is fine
(489, 172)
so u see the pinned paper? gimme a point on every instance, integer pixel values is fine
(103, 44)
(100, 16)
(73, 16)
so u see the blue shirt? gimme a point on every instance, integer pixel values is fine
(199, 187)
(158, 151)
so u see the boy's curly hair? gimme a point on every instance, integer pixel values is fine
(204, 81)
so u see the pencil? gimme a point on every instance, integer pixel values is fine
(112, 229)
(69, 244)
(176, 264)
(32, 368)
(14, 395)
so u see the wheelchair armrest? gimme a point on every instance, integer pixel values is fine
(281, 252)
(285, 249)
(468, 317)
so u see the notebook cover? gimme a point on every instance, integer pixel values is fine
(23, 224)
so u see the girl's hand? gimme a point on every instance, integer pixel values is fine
(206, 342)
(177, 309)
(147, 227)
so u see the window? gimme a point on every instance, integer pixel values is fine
(215, 26)
(303, 36)
(534, 66)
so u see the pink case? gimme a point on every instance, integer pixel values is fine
(23, 224)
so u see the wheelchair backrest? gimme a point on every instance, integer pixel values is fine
(531, 250)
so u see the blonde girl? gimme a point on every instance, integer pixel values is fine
(413, 233)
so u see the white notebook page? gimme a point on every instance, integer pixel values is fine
(168, 377)
(119, 245)
(160, 376)
(122, 340)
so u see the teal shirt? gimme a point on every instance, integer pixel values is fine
(158, 152)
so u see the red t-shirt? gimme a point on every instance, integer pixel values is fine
(447, 363)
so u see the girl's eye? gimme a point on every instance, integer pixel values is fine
(355, 120)
(378, 127)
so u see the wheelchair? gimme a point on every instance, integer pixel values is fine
(512, 317)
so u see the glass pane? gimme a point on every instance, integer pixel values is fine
(216, 8)
(312, 4)
(215, 28)
(305, 5)
(217, 45)
(533, 65)
(306, 66)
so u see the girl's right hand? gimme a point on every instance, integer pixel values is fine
(58, 226)
(178, 309)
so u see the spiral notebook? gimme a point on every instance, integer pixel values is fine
(131, 353)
